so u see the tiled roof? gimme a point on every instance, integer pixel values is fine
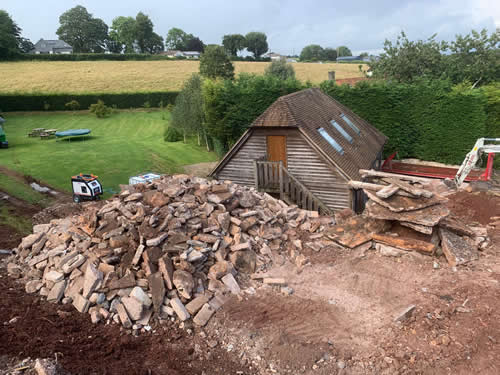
(49, 45)
(312, 109)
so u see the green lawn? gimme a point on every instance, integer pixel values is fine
(123, 145)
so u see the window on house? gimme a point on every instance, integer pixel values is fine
(330, 140)
(341, 130)
(350, 123)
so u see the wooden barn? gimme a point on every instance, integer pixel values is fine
(305, 147)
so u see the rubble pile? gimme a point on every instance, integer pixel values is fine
(404, 214)
(172, 248)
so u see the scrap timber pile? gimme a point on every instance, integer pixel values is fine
(403, 214)
(171, 248)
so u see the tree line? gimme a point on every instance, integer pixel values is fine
(89, 34)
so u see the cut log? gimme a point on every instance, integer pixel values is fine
(371, 172)
(452, 224)
(400, 204)
(429, 216)
(456, 249)
(408, 188)
(419, 228)
(405, 243)
(387, 191)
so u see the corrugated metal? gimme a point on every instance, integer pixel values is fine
(240, 168)
(309, 168)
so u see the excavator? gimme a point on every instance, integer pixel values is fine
(474, 155)
(464, 173)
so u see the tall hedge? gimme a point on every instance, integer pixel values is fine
(426, 120)
(232, 106)
(91, 57)
(56, 102)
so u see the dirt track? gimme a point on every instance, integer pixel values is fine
(340, 319)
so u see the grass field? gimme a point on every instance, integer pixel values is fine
(122, 145)
(131, 76)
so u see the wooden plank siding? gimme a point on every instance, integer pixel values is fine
(316, 174)
(240, 169)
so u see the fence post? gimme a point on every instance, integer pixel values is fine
(280, 174)
(256, 172)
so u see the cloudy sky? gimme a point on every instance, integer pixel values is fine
(289, 25)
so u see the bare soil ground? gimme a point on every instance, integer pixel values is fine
(339, 319)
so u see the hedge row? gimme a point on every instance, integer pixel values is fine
(428, 120)
(112, 57)
(56, 102)
(92, 57)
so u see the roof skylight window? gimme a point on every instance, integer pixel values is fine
(330, 140)
(341, 130)
(350, 123)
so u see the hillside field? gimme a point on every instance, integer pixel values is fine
(133, 76)
(125, 144)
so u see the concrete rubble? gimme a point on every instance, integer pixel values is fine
(176, 248)
(404, 214)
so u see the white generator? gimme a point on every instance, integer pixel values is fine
(143, 178)
(86, 187)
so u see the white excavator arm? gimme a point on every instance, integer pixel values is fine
(473, 156)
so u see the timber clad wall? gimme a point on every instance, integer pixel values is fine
(304, 163)
(309, 168)
(240, 169)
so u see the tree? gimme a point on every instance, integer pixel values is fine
(144, 34)
(406, 60)
(194, 43)
(330, 54)
(154, 44)
(233, 43)
(188, 115)
(10, 35)
(363, 55)
(474, 57)
(343, 51)
(123, 32)
(214, 63)
(312, 52)
(176, 39)
(256, 42)
(83, 32)
(280, 69)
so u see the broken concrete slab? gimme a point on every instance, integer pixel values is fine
(80, 303)
(167, 270)
(139, 294)
(405, 314)
(204, 315)
(456, 249)
(134, 307)
(429, 216)
(157, 286)
(184, 283)
(179, 309)
(92, 279)
(231, 283)
(196, 304)
(57, 292)
(122, 313)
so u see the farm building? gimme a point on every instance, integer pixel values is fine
(305, 147)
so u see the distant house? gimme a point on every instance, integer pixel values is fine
(274, 56)
(187, 54)
(349, 58)
(306, 147)
(192, 54)
(52, 47)
(291, 60)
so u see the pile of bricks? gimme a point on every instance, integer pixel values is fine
(174, 248)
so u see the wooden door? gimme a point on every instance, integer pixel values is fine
(276, 148)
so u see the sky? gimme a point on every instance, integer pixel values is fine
(290, 25)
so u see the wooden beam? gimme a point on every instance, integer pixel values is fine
(387, 191)
(405, 243)
(375, 187)
(373, 173)
(408, 188)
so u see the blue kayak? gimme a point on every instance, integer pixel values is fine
(73, 132)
